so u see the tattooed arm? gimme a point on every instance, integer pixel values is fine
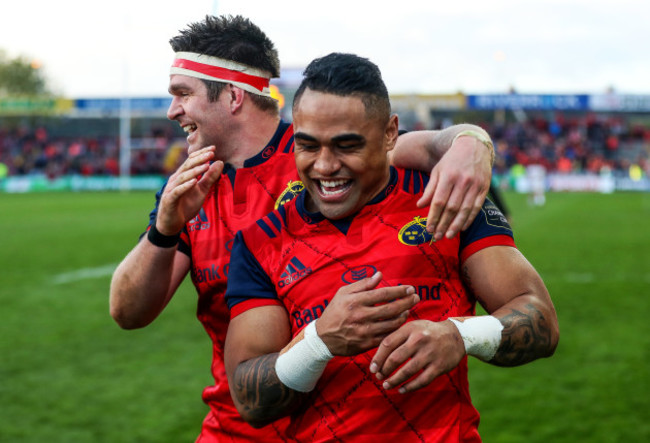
(254, 340)
(356, 319)
(510, 289)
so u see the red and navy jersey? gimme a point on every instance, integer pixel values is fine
(240, 197)
(297, 259)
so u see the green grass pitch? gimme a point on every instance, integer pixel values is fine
(69, 374)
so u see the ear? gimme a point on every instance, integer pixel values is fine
(236, 98)
(391, 132)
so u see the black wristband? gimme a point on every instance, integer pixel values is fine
(162, 240)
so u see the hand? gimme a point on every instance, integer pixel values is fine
(360, 316)
(426, 349)
(457, 187)
(185, 192)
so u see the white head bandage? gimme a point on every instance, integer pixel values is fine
(218, 69)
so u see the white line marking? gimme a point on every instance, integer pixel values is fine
(84, 274)
(589, 277)
(583, 277)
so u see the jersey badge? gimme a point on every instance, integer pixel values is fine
(291, 191)
(268, 152)
(494, 217)
(415, 233)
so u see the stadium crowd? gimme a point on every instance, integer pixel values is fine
(564, 144)
(31, 151)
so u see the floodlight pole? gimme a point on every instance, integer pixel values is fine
(125, 143)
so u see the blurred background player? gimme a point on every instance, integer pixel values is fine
(536, 175)
(296, 348)
(240, 167)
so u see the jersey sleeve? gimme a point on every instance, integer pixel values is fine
(489, 228)
(248, 284)
(154, 212)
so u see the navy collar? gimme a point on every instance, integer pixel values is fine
(271, 148)
(343, 224)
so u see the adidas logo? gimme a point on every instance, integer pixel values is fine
(293, 272)
(200, 222)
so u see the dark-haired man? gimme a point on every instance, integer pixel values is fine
(342, 361)
(240, 167)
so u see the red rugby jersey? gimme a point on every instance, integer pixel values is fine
(299, 259)
(240, 197)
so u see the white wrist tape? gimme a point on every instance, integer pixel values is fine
(302, 365)
(480, 137)
(481, 335)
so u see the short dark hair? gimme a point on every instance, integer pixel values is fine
(233, 38)
(347, 74)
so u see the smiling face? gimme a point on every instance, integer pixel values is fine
(203, 120)
(341, 152)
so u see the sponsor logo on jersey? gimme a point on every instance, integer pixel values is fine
(290, 192)
(428, 293)
(199, 223)
(293, 272)
(301, 317)
(415, 233)
(358, 273)
(212, 273)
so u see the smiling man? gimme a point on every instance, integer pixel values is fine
(341, 163)
(342, 361)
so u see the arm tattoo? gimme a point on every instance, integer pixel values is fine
(526, 336)
(263, 396)
(467, 280)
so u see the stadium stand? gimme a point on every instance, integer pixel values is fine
(31, 150)
(564, 144)
(569, 135)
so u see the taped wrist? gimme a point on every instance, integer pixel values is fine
(480, 137)
(301, 366)
(162, 240)
(481, 335)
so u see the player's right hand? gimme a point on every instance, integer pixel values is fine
(187, 189)
(417, 353)
(360, 315)
(457, 188)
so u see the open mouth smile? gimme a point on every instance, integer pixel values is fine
(332, 188)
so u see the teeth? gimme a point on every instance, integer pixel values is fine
(324, 184)
(326, 192)
(332, 183)
(189, 128)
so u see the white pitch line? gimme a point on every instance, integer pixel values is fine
(589, 277)
(84, 274)
(583, 277)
